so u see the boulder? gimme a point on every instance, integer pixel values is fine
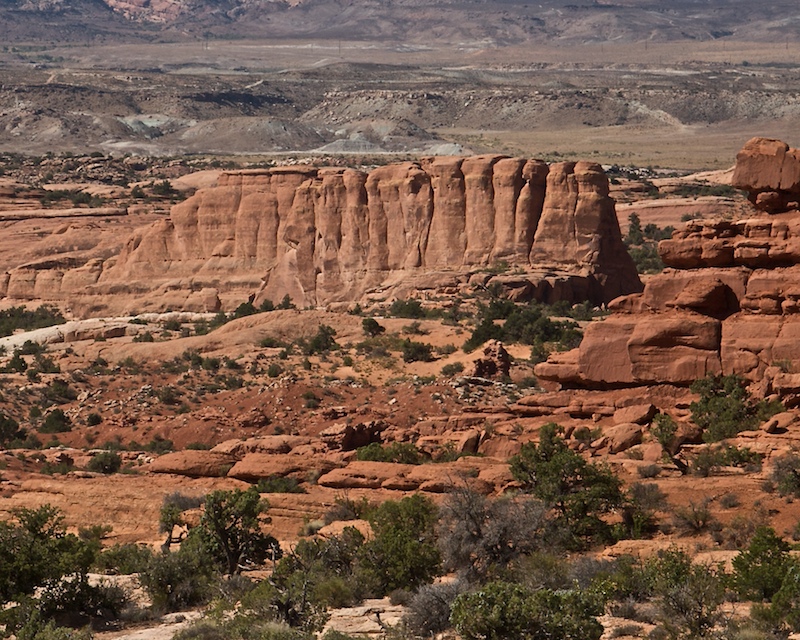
(261, 444)
(495, 362)
(349, 437)
(364, 475)
(622, 437)
(255, 466)
(637, 414)
(194, 463)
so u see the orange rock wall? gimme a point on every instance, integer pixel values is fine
(328, 235)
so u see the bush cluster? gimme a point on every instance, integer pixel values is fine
(726, 407)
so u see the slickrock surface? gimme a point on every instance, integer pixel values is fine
(330, 235)
(728, 304)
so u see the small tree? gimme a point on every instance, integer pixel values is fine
(322, 342)
(759, 571)
(635, 235)
(403, 553)
(232, 522)
(175, 580)
(663, 430)
(372, 327)
(9, 430)
(56, 422)
(37, 550)
(579, 492)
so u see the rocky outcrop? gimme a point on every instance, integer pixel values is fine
(728, 303)
(770, 171)
(328, 235)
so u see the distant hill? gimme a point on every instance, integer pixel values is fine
(413, 21)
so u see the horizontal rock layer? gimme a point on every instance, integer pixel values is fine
(326, 235)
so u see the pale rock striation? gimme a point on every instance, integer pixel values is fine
(728, 303)
(332, 235)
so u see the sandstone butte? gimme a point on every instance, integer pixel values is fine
(329, 235)
(729, 301)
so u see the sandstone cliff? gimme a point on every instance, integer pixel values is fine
(729, 301)
(328, 235)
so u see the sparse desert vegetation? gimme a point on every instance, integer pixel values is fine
(339, 337)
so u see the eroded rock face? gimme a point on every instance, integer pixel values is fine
(328, 235)
(770, 171)
(729, 303)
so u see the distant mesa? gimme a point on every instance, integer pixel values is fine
(328, 235)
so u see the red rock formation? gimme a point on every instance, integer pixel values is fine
(729, 303)
(327, 235)
(770, 171)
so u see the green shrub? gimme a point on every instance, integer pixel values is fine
(400, 452)
(106, 462)
(163, 189)
(786, 475)
(124, 559)
(402, 554)
(504, 611)
(56, 422)
(317, 574)
(35, 629)
(452, 369)
(178, 580)
(93, 419)
(9, 430)
(371, 327)
(159, 445)
(643, 244)
(407, 309)
(240, 627)
(417, 351)
(759, 570)
(232, 525)
(638, 514)
(169, 395)
(59, 392)
(663, 430)
(37, 550)
(172, 325)
(244, 309)
(725, 407)
(20, 318)
(690, 595)
(45, 364)
(322, 342)
(279, 484)
(527, 324)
